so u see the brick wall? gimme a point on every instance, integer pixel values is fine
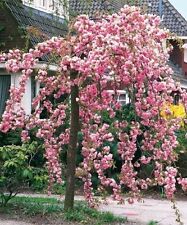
(184, 65)
(177, 57)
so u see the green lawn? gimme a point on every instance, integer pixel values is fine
(29, 207)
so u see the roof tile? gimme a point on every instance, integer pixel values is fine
(27, 17)
(171, 18)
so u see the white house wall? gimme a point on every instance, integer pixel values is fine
(55, 7)
(26, 100)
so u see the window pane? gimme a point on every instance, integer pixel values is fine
(5, 81)
(33, 87)
(122, 97)
(44, 3)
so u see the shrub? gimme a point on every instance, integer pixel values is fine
(182, 151)
(17, 170)
(12, 137)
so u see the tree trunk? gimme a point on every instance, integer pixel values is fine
(72, 148)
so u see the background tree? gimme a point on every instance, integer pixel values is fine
(120, 50)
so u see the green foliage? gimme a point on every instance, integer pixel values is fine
(152, 223)
(182, 147)
(82, 213)
(17, 170)
(39, 179)
(35, 157)
(33, 206)
(2, 27)
(10, 138)
(126, 113)
(37, 176)
(58, 189)
(181, 150)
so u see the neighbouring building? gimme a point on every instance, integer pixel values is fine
(25, 23)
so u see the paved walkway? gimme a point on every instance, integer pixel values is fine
(13, 222)
(142, 213)
(155, 210)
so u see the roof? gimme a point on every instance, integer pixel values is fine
(89, 7)
(45, 25)
(171, 18)
(51, 25)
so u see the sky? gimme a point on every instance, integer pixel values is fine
(181, 6)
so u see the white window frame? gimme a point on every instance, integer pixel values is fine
(121, 92)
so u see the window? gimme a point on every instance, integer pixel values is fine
(43, 3)
(33, 87)
(52, 5)
(5, 81)
(57, 7)
(31, 90)
(122, 96)
(176, 97)
(28, 2)
(37, 3)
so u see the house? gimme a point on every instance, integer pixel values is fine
(24, 24)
